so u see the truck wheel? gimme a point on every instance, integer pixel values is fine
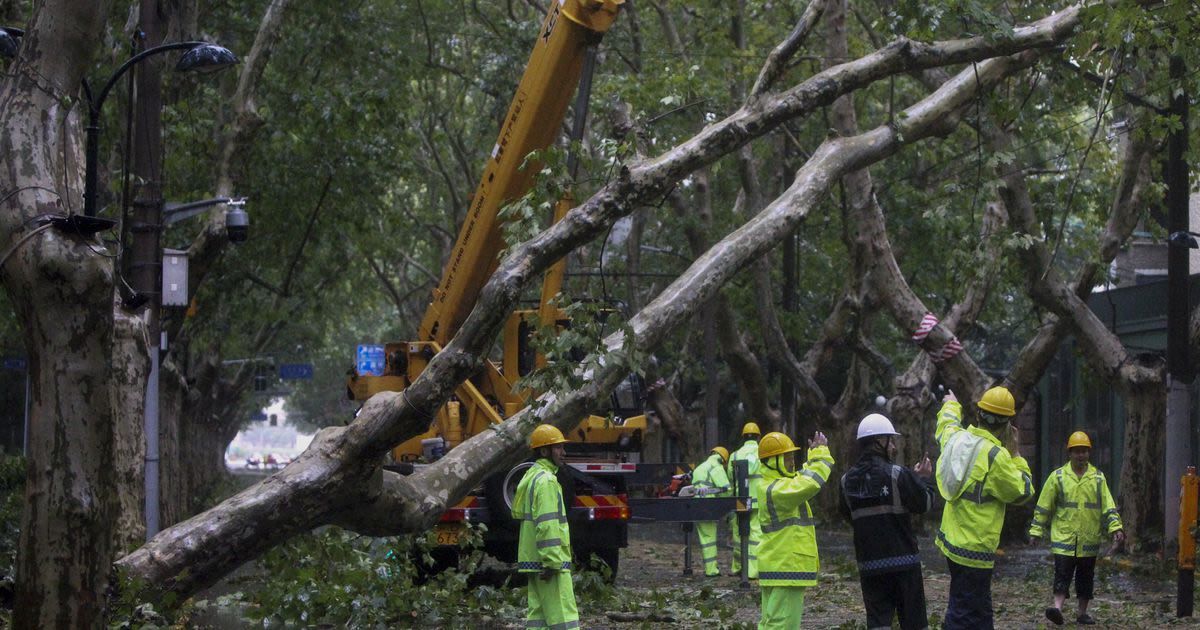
(506, 489)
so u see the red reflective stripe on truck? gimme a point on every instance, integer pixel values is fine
(462, 511)
(604, 507)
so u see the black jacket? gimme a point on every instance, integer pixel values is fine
(877, 498)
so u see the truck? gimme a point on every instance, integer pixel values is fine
(604, 449)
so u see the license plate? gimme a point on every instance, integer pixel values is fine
(448, 533)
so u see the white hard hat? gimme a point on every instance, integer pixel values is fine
(875, 424)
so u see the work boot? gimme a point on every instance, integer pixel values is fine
(1054, 615)
(1085, 620)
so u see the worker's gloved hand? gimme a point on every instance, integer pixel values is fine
(1032, 540)
(546, 573)
(1118, 538)
(818, 439)
(949, 397)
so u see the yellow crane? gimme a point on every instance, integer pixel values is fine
(534, 117)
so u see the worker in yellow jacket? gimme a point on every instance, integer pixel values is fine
(710, 480)
(977, 475)
(1079, 509)
(544, 546)
(787, 554)
(748, 453)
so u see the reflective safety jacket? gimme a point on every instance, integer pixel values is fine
(545, 541)
(877, 498)
(976, 476)
(710, 474)
(1078, 509)
(787, 552)
(748, 452)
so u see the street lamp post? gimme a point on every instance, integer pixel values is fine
(200, 57)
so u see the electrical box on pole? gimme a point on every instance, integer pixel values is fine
(174, 277)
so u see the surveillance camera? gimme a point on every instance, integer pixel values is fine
(237, 223)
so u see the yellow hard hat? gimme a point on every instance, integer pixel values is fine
(546, 435)
(722, 451)
(775, 443)
(1078, 438)
(750, 429)
(999, 401)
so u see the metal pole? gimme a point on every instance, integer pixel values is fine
(28, 394)
(687, 548)
(741, 472)
(1179, 429)
(146, 229)
(152, 450)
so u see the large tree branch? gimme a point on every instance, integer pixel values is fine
(1047, 288)
(777, 61)
(812, 399)
(1132, 188)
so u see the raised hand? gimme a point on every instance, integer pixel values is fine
(818, 439)
(924, 468)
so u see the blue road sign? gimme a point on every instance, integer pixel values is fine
(295, 371)
(14, 363)
(369, 361)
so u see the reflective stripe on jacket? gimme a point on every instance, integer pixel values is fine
(1078, 510)
(974, 514)
(711, 474)
(787, 553)
(748, 452)
(545, 541)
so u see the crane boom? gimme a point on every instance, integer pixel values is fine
(532, 123)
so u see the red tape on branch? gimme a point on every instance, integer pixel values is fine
(952, 347)
(927, 323)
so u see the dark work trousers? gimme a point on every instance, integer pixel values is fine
(1084, 571)
(901, 594)
(970, 605)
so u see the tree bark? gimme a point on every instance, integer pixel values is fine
(62, 291)
(1142, 466)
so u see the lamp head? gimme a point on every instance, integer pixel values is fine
(237, 222)
(10, 41)
(1183, 238)
(206, 58)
